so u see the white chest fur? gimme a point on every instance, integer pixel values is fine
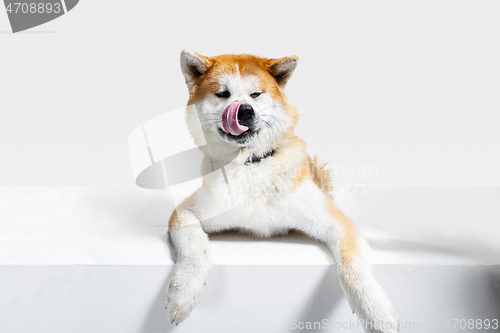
(256, 197)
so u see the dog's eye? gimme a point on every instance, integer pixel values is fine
(223, 94)
(256, 94)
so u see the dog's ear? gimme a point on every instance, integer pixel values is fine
(193, 65)
(282, 69)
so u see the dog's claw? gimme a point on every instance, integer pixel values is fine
(178, 307)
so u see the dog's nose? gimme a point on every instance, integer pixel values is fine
(246, 114)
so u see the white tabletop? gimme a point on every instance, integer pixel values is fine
(127, 226)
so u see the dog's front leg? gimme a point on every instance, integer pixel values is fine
(192, 263)
(366, 298)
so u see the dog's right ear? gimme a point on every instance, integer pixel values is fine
(193, 66)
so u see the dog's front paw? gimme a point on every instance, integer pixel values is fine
(178, 304)
(382, 322)
(377, 315)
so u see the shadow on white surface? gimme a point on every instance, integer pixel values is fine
(156, 319)
(323, 301)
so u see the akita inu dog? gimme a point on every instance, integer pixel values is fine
(271, 186)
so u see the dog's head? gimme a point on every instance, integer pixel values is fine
(239, 98)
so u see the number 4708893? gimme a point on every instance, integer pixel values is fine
(23, 7)
(470, 324)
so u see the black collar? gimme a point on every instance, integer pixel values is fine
(256, 159)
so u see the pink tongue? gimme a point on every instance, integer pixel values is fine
(230, 119)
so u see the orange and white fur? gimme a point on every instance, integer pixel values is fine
(284, 190)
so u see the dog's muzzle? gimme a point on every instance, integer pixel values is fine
(237, 118)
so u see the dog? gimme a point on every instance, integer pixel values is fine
(269, 186)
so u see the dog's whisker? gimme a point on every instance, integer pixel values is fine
(268, 114)
(269, 107)
(204, 128)
(204, 122)
(272, 128)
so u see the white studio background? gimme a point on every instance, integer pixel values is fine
(409, 88)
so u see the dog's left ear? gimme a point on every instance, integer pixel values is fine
(282, 69)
